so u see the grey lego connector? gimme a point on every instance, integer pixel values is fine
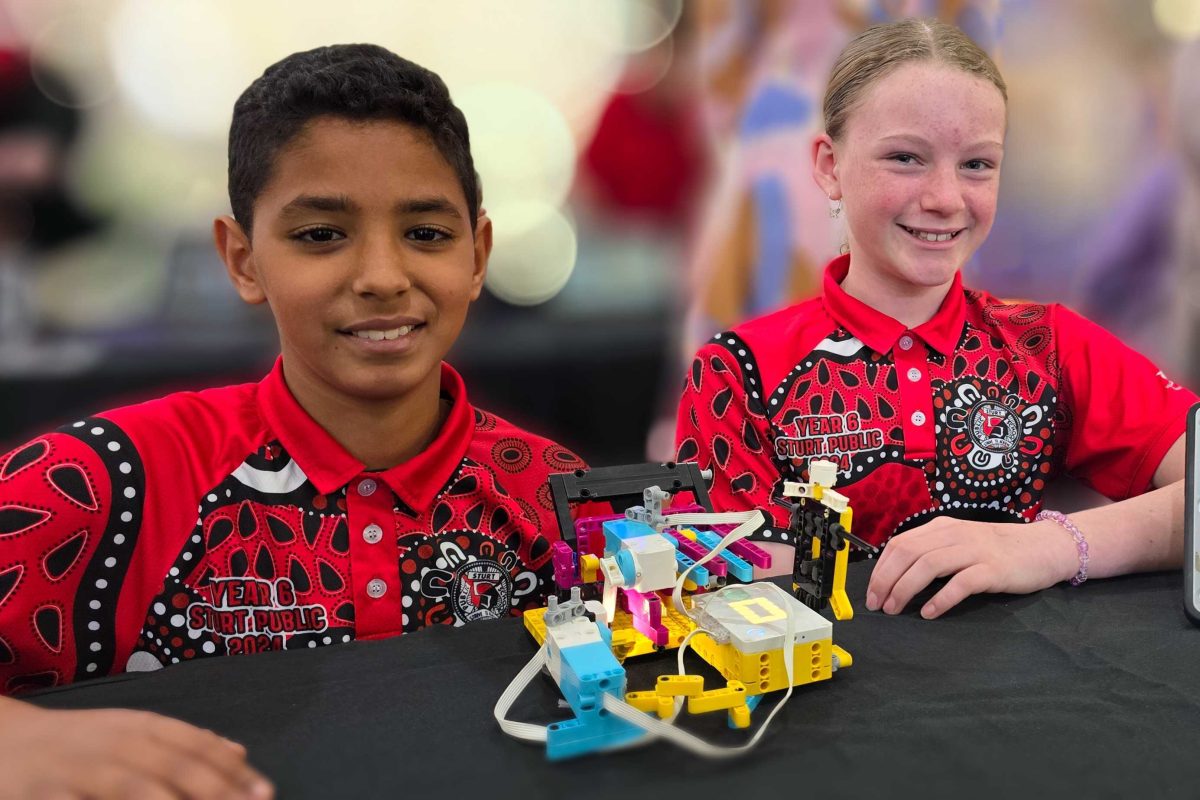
(558, 613)
(651, 513)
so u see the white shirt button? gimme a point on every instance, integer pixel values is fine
(918, 418)
(914, 374)
(906, 342)
(376, 588)
(372, 533)
(367, 487)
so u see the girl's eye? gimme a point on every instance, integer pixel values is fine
(318, 235)
(976, 164)
(426, 233)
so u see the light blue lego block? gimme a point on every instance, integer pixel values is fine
(617, 529)
(699, 574)
(738, 567)
(589, 671)
(576, 737)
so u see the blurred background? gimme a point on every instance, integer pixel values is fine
(646, 163)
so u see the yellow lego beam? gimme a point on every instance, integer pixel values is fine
(732, 696)
(679, 685)
(651, 703)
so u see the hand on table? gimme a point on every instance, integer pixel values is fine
(981, 557)
(117, 753)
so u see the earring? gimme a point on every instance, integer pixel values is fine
(835, 210)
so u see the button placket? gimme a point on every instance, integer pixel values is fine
(374, 558)
(916, 397)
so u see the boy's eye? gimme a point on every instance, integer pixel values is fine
(977, 164)
(426, 233)
(904, 158)
(319, 235)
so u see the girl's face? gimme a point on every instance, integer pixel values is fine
(918, 171)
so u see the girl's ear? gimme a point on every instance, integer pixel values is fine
(825, 166)
(233, 246)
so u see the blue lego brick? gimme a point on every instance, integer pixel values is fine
(738, 567)
(592, 667)
(578, 737)
(617, 529)
(682, 561)
(589, 671)
(699, 574)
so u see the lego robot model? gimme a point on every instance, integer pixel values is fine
(760, 638)
(821, 519)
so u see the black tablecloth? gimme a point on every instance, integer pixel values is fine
(1089, 692)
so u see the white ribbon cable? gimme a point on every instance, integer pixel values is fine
(610, 602)
(521, 730)
(747, 523)
(694, 744)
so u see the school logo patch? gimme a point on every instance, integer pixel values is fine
(990, 427)
(464, 576)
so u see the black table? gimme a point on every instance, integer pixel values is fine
(1084, 692)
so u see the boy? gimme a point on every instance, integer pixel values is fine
(354, 493)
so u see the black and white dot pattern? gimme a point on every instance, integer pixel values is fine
(94, 614)
(751, 380)
(851, 350)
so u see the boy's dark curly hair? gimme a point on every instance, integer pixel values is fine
(350, 81)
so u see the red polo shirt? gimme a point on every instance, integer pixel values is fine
(228, 521)
(968, 415)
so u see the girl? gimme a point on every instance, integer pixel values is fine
(947, 410)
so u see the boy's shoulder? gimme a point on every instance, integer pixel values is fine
(235, 403)
(510, 449)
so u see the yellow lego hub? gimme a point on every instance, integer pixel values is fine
(764, 672)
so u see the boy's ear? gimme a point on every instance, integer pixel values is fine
(233, 246)
(483, 250)
(825, 167)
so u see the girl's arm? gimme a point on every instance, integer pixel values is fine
(1140, 534)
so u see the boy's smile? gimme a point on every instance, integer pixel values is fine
(363, 248)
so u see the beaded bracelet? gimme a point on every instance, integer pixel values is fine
(1081, 544)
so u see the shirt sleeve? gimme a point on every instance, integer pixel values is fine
(55, 497)
(1124, 412)
(723, 427)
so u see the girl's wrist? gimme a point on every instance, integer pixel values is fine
(1071, 547)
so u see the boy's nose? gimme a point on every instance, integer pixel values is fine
(382, 271)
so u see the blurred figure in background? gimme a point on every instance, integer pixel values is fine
(1184, 283)
(36, 214)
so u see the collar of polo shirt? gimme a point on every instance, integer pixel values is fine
(330, 467)
(880, 332)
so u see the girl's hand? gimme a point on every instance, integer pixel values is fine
(981, 557)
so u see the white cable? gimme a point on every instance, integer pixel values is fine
(693, 744)
(747, 523)
(521, 730)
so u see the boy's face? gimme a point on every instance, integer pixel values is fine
(363, 249)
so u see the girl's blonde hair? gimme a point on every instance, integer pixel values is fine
(881, 48)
